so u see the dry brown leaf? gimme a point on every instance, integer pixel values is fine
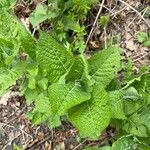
(130, 45)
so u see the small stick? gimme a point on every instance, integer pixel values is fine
(10, 126)
(80, 144)
(144, 12)
(143, 56)
(90, 34)
(135, 11)
(135, 18)
(10, 142)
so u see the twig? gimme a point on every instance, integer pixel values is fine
(90, 34)
(9, 143)
(139, 58)
(144, 12)
(80, 144)
(135, 11)
(18, 115)
(10, 126)
(138, 55)
(37, 143)
(114, 16)
(33, 31)
(111, 11)
(135, 18)
(105, 34)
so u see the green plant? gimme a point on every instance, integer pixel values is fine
(16, 147)
(66, 17)
(144, 38)
(103, 21)
(147, 13)
(128, 142)
(66, 85)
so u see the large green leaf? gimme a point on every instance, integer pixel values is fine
(38, 16)
(10, 27)
(132, 100)
(142, 85)
(27, 42)
(79, 72)
(105, 148)
(131, 106)
(144, 117)
(92, 148)
(93, 116)
(76, 70)
(7, 4)
(104, 65)
(133, 126)
(128, 143)
(65, 96)
(8, 79)
(131, 94)
(9, 49)
(116, 105)
(42, 104)
(53, 56)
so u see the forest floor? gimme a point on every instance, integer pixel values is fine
(126, 19)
